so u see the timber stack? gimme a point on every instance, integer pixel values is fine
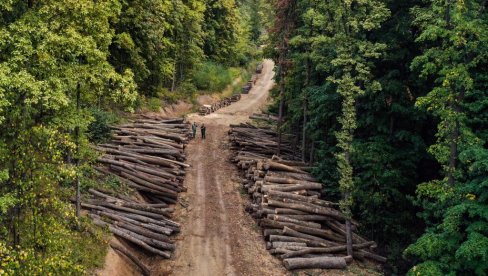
(148, 156)
(300, 228)
(207, 109)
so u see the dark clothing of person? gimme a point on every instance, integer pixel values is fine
(202, 129)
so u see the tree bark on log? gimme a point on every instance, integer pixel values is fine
(129, 255)
(324, 233)
(320, 262)
(307, 208)
(132, 239)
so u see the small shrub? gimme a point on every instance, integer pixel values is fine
(187, 90)
(99, 129)
(154, 104)
(212, 77)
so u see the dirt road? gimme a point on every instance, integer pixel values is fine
(218, 237)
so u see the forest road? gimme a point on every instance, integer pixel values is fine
(218, 237)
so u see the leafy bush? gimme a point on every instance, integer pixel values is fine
(154, 104)
(99, 129)
(187, 90)
(212, 77)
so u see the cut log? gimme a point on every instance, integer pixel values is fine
(295, 221)
(332, 249)
(279, 194)
(129, 255)
(307, 208)
(321, 262)
(132, 239)
(324, 233)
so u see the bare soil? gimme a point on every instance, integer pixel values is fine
(218, 237)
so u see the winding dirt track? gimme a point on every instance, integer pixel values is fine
(218, 237)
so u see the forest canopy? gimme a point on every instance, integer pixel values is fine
(389, 99)
(64, 66)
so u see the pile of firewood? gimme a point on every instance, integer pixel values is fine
(302, 229)
(147, 155)
(207, 109)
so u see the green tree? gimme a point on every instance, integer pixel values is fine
(51, 53)
(222, 31)
(454, 35)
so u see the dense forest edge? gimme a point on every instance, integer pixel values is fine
(389, 100)
(71, 69)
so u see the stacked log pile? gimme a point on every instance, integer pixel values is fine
(147, 155)
(264, 117)
(258, 142)
(300, 228)
(259, 68)
(143, 224)
(254, 78)
(207, 109)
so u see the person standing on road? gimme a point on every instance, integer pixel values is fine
(194, 130)
(202, 129)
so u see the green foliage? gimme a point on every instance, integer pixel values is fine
(154, 104)
(212, 77)
(69, 253)
(393, 145)
(99, 128)
(455, 206)
(51, 52)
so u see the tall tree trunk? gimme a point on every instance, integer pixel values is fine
(77, 138)
(304, 133)
(305, 110)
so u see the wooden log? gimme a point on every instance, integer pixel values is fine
(309, 217)
(293, 187)
(320, 262)
(129, 255)
(293, 233)
(123, 209)
(270, 165)
(278, 244)
(129, 237)
(295, 221)
(287, 211)
(145, 158)
(342, 230)
(306, 207)
(324, 233)
(152, 170)
(310, 243)
(161, 232)
(165, 191)
(161, 222)
(153, 182)
(299, 176)
(332, 249)
(372, 256)
(268, 232)
(275, 251)
(315, 201)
